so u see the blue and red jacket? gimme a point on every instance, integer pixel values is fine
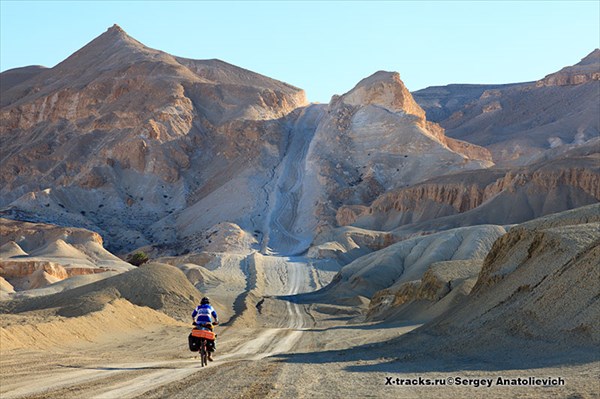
(202, 314)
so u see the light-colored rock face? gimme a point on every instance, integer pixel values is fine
(11, 249)
(6, 287)
(519, 122)
(539, 281)
(222, 237)
(119, 136)
(386, 90)
(34, 255)
(373, 139)
(494, 196)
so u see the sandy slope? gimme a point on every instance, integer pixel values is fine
(292, 350)
(38, 258)
(125, 336)
(129, 328)
(286, 230)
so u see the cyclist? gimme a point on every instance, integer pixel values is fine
(203, 317)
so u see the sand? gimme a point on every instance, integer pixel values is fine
(126, 336)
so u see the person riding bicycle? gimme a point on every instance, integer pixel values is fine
(203, 317)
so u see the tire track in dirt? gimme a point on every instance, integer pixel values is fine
(127, 380)
(281, 234)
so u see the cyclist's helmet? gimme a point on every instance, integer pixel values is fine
(205, 301)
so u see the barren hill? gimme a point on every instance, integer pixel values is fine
(36, 255)
(407, 261)
(158, 286)
(150, 149)
(518, 122)
(16, 76)
(496, 195)
(372, 139)
(119, 136)
(539, 283)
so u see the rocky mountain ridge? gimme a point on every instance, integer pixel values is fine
(152, 149)
(119, 136)
(372, 139)
(157, 151)
(358, 222)
(587, 70)
(519, 122)
(569, 182)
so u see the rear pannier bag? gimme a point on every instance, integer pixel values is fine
(194, 343)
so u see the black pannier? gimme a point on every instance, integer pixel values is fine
(194, 343)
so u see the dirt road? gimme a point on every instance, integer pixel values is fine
(295, 350)
(284, 231)
(91, 371)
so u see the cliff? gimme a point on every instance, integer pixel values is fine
(119, 136)
(540, 189)
(587, 70)
(519, 122)
(372, 139)
(34, 255)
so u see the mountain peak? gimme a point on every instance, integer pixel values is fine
(116, 34)
(587, 70)
(384, 89)
(111, 48)
(591, 58)
(115, 28)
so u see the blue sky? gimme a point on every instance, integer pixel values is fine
(323, 47)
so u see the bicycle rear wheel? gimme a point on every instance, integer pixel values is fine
(203, 353)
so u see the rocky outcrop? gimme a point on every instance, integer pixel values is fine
(471, 151)
(119, 136)
(33, 255)
(577, 179)
(222, 237)
(372, 139)
(22, 268)
(418, 202)
(517, 123)
(28, 274)
(386, 90)
(538, 282)
(587, 70)
(422, 299)
(16, 269)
